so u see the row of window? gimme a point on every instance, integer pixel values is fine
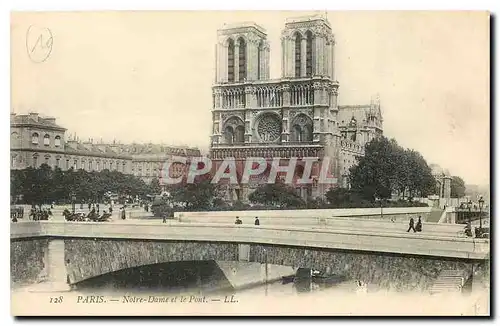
(75, 164)
(46, 139)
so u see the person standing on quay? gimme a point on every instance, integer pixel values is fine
(412, 225)
(238, 221)
(257, 222)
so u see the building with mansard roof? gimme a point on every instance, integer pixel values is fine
(296, 115)
(35, 140)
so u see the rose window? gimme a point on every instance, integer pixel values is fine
(269, 128)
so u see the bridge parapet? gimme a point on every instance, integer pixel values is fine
(310, 237)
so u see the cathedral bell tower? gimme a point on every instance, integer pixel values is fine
(308, 48)
(242, 54)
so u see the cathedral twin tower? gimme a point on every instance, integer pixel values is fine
(307, 47)
(291, 117)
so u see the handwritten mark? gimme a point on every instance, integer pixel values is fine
(39, 41)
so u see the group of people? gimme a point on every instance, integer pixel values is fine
(239, 221)
(415, 228)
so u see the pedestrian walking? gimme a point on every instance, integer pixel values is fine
(257, 222)
(412, 225)
(164, 218)
(419, 224)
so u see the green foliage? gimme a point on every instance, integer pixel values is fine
(193, 196)
(344, 198)
(388, 168)
(457, 187)
(155, 187)
(45, 185)
(277, 195)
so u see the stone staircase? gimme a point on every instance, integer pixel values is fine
(449, 281)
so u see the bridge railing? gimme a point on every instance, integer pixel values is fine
(358, 240)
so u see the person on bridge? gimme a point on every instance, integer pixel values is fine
(468, 229)
(412, 225)
(257, 222)
(238, 221)
(419, 224)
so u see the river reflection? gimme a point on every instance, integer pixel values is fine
(192, 277)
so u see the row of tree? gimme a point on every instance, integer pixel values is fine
(386, 168)
(46, 185)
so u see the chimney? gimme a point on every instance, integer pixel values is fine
(33, 116)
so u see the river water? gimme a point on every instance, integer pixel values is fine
(189, 288)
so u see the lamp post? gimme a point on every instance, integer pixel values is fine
(381, 209)
(73, 199)
(266, 268)
(469, 206)
(481, 203)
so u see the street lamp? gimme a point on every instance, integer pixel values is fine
(266, 269)
(469, 206)
(381, 210)
(73, 199)
(481, 203)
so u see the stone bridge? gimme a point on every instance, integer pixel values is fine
(72, 252)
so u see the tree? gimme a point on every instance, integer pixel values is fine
(374, 175)
(277, 195)
(388, 168)
(193, 196)
(155, 187)
(457, 187)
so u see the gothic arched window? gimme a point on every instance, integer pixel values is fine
(298, 54)
(242, 60)
(307, 133)
(239, 134)
(230, 61)
(296, 133)
(259, 59)
(229, 134)
(309, 54)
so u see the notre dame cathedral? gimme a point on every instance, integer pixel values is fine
(294, 116)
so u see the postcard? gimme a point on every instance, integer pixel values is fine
(250, 163)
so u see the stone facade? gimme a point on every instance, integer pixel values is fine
(87, 258)
(35, 140)
(27, 260)
(443, 181)
(295, 116)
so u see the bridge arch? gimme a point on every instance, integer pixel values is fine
(89, 258)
